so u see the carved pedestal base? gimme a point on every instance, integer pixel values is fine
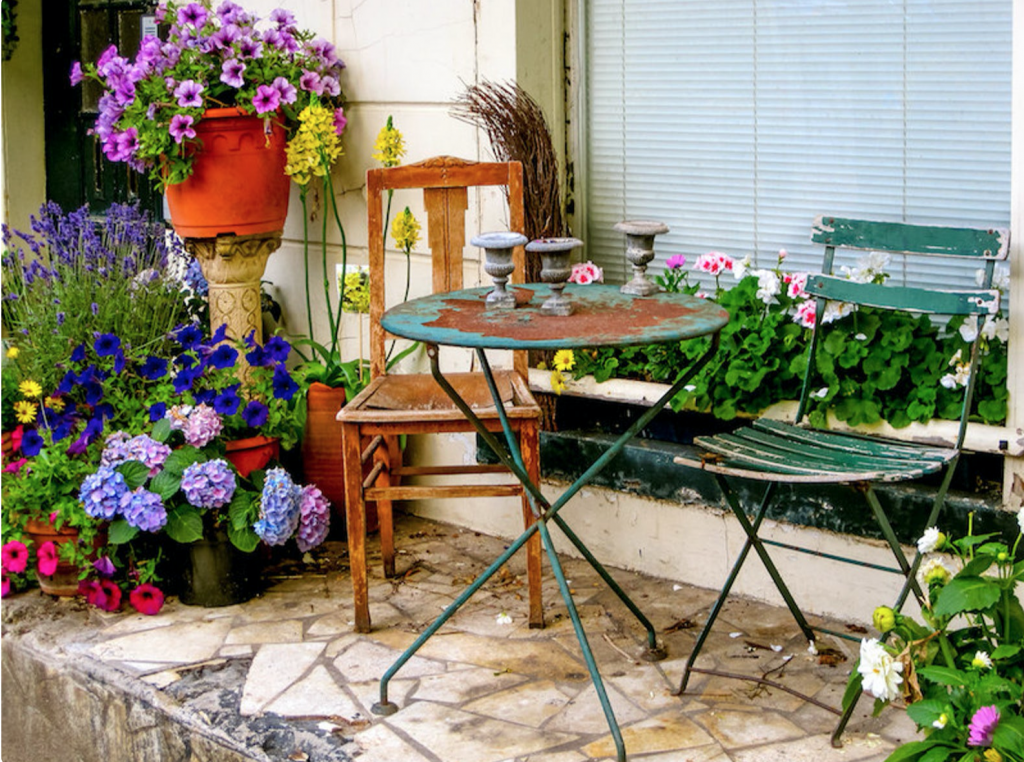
(233, 266)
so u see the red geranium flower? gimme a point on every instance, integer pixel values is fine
(46, 559)
(147, 599)
(13, 557)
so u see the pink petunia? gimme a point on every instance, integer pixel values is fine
(13, 557)
(5, 590)
(181, 127)
(46, 559)
(340, 120)
(15, 466)
(146, 599)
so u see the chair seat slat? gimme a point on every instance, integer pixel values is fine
(790, 440)
(855, 441)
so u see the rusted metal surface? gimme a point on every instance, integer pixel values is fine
(602, 317)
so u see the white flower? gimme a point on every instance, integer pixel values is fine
(982, 660)
(836, 310)
(941, 722)
(739, 269)
(1000, 278)
(503, 618)
(996, 328)
(933, 570)
(930, 540)
(879, 670)
(861, 337)
(821, 393)
(969, 329)
(1020, 520)
(768, 285)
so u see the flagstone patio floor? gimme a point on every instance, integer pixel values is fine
(283, 676)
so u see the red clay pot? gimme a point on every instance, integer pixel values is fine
(64, 580)
(252, 454)
(238, 184)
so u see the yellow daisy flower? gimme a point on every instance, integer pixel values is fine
(405, 230)
(13, 352)
(564, 359)
(25, 411)
(56, 404)
(558, 384)
(30, 389)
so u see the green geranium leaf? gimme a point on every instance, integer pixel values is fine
(964, 593)
(1009, 735)
(244, 539)
(134, 473)
(925, 712)
(120, 532)
(184, 524)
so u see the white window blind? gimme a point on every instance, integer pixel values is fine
(737, 122)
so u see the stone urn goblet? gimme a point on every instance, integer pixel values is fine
(639, 251)
(555, 270)
(498, 264)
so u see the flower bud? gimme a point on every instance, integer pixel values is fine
(884, 618)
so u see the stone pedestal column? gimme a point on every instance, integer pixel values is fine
(233, 266)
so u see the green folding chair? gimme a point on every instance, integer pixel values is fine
(771, 452)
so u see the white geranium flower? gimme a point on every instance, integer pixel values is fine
(836, 310)
(768, 285)
(969, 329)
(996, 328)
(1001, 278)
(861, 336)
(931, 540)
(739, 268)
(879, 670)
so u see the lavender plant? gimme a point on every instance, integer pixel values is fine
(73, 277)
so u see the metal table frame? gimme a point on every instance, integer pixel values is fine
(546, 511)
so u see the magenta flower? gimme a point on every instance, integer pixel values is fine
(983, 725)
(146, 599)
(46, 559)
(6, 588)
(231, 72)
(675, 261)
(189, 94)
(13, 557)
(181, 127)
(340, 120)
(104, 566)
(192, 14)
(76, 73)
(286, 90)
(266, 100)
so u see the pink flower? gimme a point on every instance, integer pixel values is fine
(6, 589)
(104, 594)
(46, 559)
(15, 466)
(714, 263)
(805, 313)
(13, 557)
(146, 599)
(586, 272)
(797, 282)
(286, 90)
(189, 93)
(983, 725)
(340, 120)
(675, 261)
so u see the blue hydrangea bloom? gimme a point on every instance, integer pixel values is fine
(144, 509)
(209, 485)
(279, 508)
(102, 491)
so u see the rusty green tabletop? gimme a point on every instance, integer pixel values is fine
(602, 317)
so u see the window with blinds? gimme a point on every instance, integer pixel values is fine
(737, 122)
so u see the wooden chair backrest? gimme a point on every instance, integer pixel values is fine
(986, 246)
(444, 180)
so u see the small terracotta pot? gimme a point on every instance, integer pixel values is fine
(252, 454)
(64, 580)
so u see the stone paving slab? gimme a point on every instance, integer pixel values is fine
(284, 677)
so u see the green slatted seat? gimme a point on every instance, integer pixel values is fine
(773, 452)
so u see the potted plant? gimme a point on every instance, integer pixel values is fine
(208, 112)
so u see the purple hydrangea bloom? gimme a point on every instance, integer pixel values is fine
(144, 510)
(202, 426)
(142, 448)
(102, 491)
(208, 485)
(314, 518)
(279, 508)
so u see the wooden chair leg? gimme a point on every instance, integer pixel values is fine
(384, 514)
(355, 518)
(529, 443)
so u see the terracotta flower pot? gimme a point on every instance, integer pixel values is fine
(64, 580)
(238, 184)
(7, 442)
(252, 454)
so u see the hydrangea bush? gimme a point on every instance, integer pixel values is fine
(872, 364)
(960, 670)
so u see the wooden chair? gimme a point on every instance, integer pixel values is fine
(773, 452)
(394, 405)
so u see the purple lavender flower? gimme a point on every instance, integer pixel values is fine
(144, 510)
(266, 100)
(208, 485)
(314, 518)
(279, 508)
(202, 426)
(189, 93)
(193, 15)
(286, 90)
(94, 308)
(181, 127)
(231, 72)
(255, 414)
(983, 725)
(102, 491)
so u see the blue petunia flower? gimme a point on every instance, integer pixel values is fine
(106, 345)
(219, 335)
(78, 353)
(284, 386)
(189, 336)
(255, 414)
(224, 357)
(153, 368)
(31, 443)
(93, 393)
(256, 357)
(278, 349)
(119, 362)
(227, 402)
(67, 383)
(183, 380)
(205, 396)
(157, 411)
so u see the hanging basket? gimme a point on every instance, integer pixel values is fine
(238, 185)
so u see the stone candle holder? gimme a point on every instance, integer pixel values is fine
(639, 251)
(555, 270)
(498, 264)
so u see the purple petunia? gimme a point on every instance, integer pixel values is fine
(286, 90)
(340, 120)
(266, 100)
(231, 72)
(76, 73)
(279, 508)
(310, 82)
(181, 127)
(282, 18)
(314, 518)
(189, 94)
(102, 491)
(144, 510)
(193, 14)
(250, 48)
(208, 485)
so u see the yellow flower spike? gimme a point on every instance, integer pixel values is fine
(389, 147)
(564, 359)
(25, 411)
(405, 230)
(30, 389)
(13, 352)
(315, 145)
